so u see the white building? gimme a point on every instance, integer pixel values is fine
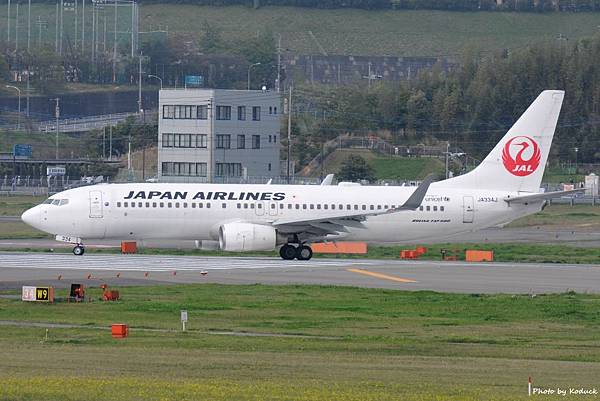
(215, 135)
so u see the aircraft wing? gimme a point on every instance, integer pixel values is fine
(541, 196)
(337, 223)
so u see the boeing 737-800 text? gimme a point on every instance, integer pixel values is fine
(245, 217)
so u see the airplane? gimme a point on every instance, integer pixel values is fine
(244, 217)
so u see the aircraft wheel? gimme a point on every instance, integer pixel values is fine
(287, 252)
(304, 252)
(78, 250)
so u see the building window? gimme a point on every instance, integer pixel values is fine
(275, 138)
(255, 141)
(223, 113)
(183, 140)
(270, 109)
(269, 167)
(202, 112)
(242, 113)
(228, 169)
(201, 140)
(256, 113)
(224, 141)
(184, 169)
(275, 110)
(241, 141)
(168, 112)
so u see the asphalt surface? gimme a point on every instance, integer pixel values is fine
(17, 269)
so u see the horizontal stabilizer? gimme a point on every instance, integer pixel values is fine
(541, 196)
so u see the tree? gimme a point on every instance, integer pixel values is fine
(356, 168)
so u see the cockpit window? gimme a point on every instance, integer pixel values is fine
(56, 202)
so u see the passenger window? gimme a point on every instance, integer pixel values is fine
(147, 204)
(200, 205)
(193, 205)
(132, 204)
(355, 207)
(332, 207)
(304, 206)
(421, 208)
(348, 207)
(341, 207)
(245, 206)
(372, 207)
(272, 206)
(118, 204)
(239, 205)
(441, 208)
(297, 206)
(252, 206)
(326, 206)
(385, 207)
(435, 208)
(185, 205)
(224, 205)
(364, 207)
(162, 204)
(259, 205)
(154, 204)
(289, 205)
(319, 206)
(177, 205)
(281, 205)
(208, 205)
(169, 204)
(140, 204)
(312, 206)
(428, 208)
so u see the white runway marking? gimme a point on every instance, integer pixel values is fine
(155, 263)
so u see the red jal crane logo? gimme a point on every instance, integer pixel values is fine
(526, 158)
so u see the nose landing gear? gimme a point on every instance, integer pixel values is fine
(291, 252)
(78, 250)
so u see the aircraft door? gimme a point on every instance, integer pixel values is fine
(273, 208)
(260, 208)
(96, 204)
(468, 209)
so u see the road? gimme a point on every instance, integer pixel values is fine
(17, 269)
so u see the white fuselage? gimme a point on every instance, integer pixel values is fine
(196, 211)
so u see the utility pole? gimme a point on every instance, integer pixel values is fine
(56, 30)
(447, 157)
(17, 30)
(289, 135)
(93, 31)
(82, 25)
(8, 24)
(278, 65)
(115, 46)
(104, 34)
(104, 143)
(76, 23)
(57, 115)
(140, 110)
(60, 44)
(29, 25)
(27, 91)
(110, 143)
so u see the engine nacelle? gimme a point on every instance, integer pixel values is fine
(236, 237)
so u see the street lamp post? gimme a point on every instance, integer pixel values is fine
(157, 77)
(250, 67)
(19, 114)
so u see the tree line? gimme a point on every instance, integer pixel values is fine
(471, 106)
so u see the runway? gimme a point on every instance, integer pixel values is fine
(17, 269)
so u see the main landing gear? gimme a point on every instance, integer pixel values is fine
(78, 250)
(300, 252)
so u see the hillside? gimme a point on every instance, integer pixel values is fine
(386, 168)
(349, 31)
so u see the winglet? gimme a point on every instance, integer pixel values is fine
(415, 200)
(327, 180)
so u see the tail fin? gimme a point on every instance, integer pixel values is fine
(517, 162)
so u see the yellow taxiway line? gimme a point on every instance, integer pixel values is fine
(382, 276)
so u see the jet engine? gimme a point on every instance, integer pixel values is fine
(235, 237)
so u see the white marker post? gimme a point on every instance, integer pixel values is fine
(529, 386)
(184, 319)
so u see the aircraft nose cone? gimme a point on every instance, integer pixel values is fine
(32, 217)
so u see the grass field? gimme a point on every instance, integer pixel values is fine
(396, 168)
(359, 344)
(344, 31)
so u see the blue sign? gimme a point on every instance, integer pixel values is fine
(22, 150)
(194, 81)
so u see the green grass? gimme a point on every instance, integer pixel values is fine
(16, 205)
(563, 216)
(353, 32)
(43, 145)
(380, 345)
(390, 168)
